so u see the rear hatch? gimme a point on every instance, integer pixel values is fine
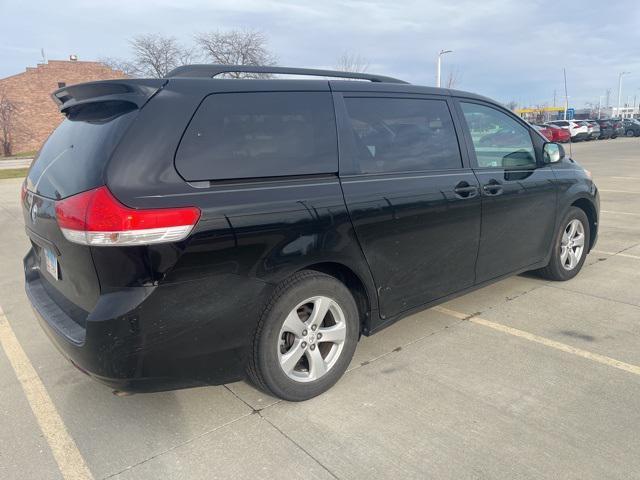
(73, 160)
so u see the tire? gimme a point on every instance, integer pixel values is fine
(559, 268)
(630, 133)
(295, 300)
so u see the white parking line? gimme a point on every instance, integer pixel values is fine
(620, 213)
(596, 357)
(64, 449)
(627, 178)
(626, 255)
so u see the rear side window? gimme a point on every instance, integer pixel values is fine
(73, 158)
(402, 134)
(261, 134)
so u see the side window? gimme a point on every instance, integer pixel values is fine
(498, 140)
(260, 134)
(402, 135)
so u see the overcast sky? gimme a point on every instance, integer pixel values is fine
(508, 50)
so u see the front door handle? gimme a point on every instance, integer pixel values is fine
(493, 187)
(464, 190)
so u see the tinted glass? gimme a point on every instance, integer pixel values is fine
(401, 135)
(73, 158)
(498, 139)
(263, 134)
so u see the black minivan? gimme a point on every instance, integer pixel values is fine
(195, 230)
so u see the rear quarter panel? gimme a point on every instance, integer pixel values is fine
(251, 235)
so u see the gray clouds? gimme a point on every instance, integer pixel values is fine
(503, 49)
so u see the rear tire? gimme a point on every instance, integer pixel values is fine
(305, 338)
(570, 247)
(630, 133)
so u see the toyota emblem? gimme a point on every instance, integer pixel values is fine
(34, 212)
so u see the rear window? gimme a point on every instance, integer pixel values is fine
(260, 134)
(73, 158)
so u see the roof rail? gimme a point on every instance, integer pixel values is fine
(214, 70)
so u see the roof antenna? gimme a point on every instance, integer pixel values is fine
(44, 57)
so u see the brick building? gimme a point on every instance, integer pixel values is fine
(36, 114)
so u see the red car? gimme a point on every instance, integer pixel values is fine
(559, 135)
(546, 131)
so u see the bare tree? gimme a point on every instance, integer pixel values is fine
(352, 62)
(454, 78)
(8, 123)
(124, 66)
(236, 47)
(154, 55)
(511, 105)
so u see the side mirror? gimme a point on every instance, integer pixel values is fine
(553, 152)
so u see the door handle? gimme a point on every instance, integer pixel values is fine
(493, 187)
(464, 190)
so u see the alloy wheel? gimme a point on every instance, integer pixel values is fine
(311, 339)
(572, 244)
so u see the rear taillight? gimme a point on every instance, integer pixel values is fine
(97, 218)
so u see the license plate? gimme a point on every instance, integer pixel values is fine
(52, 263)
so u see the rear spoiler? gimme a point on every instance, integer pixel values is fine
(133, 91)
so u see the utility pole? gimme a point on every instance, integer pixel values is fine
(554, 98)
(439, 65)
(566, 96)
(620, 91)
(599, 106)
(608, 103)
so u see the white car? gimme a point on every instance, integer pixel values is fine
(577, 129)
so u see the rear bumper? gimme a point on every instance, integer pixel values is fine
(146, 339)
(580, 136)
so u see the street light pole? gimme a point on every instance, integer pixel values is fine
(439, 65)
(600, 105)
(620, 90)
(566, 96)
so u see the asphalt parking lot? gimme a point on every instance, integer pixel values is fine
(522, 379)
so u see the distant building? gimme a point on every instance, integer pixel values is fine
(36, 115)
(626, 112)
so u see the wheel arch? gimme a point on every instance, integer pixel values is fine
(355, 284)
(590, 211)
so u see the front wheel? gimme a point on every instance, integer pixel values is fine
(570, 247)
(630, 133)
(305, 338)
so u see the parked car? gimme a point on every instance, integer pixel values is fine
(606, 128)
(594, 129)
(577, 129)
(545, 130)
(631, 127)
(560, 135)
(589, 128)
(618, 128)
(191, 230)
